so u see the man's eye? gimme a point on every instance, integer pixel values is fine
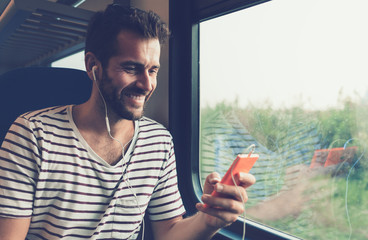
(132, 70)
(153, 71)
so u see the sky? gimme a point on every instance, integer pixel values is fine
(286, 53)
(75, 61)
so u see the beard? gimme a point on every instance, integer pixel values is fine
(115, 100)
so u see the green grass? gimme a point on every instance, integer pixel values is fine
(324, 213)
(324, 216)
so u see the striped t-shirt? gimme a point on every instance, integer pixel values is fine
(50, 174)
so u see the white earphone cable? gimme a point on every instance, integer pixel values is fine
(251, 148)
(122, 149)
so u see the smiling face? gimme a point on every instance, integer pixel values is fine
(131, 75)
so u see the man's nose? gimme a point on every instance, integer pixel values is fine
(145, 81)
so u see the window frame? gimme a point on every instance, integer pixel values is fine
(184, 122)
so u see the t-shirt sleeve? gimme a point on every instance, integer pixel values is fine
(166, 202)
(19, 168)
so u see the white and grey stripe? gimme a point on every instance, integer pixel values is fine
(49, 173)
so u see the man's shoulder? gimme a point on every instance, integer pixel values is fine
(152, 127)
(49, 112)
(146, 122)
(49, 121)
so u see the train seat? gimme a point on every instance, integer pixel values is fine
(32, 88)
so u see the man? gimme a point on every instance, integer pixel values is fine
(92, 171)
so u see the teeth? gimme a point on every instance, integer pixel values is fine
(136, 97)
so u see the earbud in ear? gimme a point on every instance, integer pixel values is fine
(94, 72)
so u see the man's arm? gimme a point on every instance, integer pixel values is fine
(192, 228)
(214, 213)
(14, 228)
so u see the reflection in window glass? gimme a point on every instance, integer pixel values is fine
(291, 77)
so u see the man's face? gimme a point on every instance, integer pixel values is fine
(130, 77)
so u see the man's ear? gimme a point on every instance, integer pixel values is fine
(91, 61)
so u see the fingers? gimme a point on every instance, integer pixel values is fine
(223, 215)
(234, 192)
(210, 182)
(233, 205)
(227, 204)
(225, 210)
(245, 179)
(213, 178)
(242, 180)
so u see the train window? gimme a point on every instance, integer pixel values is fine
(291, 77)
(75, 61)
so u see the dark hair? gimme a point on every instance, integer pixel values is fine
(104, 27)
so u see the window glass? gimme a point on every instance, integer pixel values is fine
(291, 77)
(75, 61)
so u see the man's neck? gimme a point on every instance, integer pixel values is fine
(92, 126)
(89, 118)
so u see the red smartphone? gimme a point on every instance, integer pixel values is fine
(242, 163)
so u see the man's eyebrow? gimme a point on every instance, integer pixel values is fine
(131, 63)
(137, 64)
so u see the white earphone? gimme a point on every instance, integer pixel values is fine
(94, 72)
(122, 146)
(103, 99)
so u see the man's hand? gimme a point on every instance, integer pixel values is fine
(215, 212)
(222, 211)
